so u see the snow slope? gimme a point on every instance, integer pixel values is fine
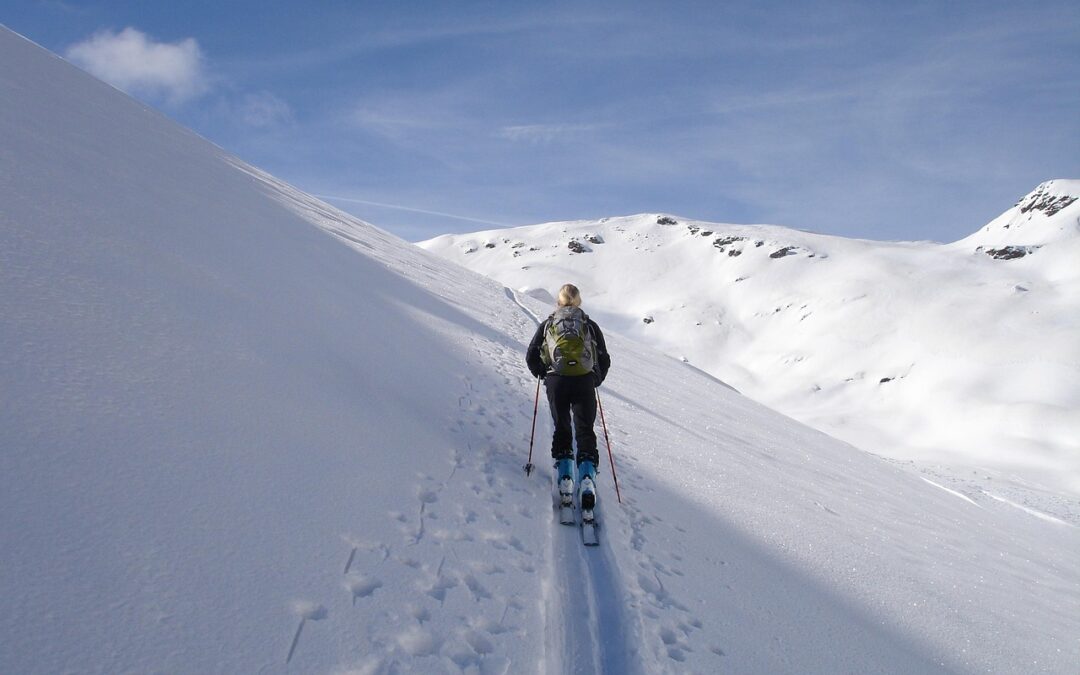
(964, 354)
(244, 432)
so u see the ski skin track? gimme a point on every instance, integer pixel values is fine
(585, 622)
(573, 604)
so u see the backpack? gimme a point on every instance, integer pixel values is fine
(569, 347)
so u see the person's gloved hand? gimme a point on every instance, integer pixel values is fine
(537, 368)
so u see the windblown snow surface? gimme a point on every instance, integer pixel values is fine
(963, 355)
(245, 432)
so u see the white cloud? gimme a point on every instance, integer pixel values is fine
(132, 61)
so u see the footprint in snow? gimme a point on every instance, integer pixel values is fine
(440, 587)
(361, 586)
(418, 612)
(427, 496)
(479, 592)
(418, 641)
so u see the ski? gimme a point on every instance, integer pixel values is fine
(564, 487)
(587, 500)
(589, 527)
(566, 515)
(569, 511)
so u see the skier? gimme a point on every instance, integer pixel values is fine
(569, 352)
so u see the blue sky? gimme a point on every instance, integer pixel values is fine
(915, 120)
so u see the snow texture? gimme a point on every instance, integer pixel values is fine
(245, 432)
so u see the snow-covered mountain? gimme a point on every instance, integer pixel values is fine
(966, 354)
(245, 432)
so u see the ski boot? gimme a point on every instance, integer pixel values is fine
(564, 470)
(587, 495)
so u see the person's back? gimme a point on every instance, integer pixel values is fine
(568, 351)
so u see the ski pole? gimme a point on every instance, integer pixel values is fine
(611, 458)
(532, 434)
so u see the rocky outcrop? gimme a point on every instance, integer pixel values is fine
(1008, 252)
(1042, 199)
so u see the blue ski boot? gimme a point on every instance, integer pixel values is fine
(587, 473)
(564, 472)
(564, 469)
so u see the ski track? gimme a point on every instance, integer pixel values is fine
(586, 626)
(513, 296)
(571, 630)
(615, 651)
(955, 493)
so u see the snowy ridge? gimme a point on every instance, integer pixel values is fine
(962, 354)
(235, 443)
(1034, 220)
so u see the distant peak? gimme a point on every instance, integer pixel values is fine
(1051, 197)
(1049, 213)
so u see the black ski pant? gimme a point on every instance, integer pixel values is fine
(572, 400)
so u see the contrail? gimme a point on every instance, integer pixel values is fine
(413, 210)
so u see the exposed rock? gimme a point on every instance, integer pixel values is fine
(594, 239)
(490, 244)
(1041, 200)
(784, 252)
(666, 220)
(721, 242)
(577, 247)
(1008, 252)
(648, 319)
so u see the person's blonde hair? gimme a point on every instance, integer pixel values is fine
(569, 296)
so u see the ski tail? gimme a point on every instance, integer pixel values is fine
(589, 534)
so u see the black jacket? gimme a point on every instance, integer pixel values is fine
(536, 363)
